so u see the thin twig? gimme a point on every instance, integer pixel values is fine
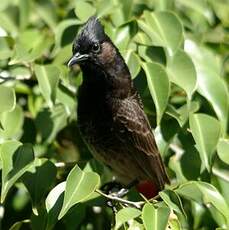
(137, 204)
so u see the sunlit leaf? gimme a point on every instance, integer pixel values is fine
(203, 192)
(7, 99)
(164, 29)
(84, 10)
(222, 150)
(159, 86)
(16, 160)
(124, 215)
(206, 132)
(182, 72)
(209, 83)
(47, 76)
(133, 62)
(155, 218)
(12, 123)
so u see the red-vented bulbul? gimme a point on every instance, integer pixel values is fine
(111, 118)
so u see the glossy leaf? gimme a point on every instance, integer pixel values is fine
(164, 29)
(54, 202)
(206, 132)
(209, 83)
(155, 218)
(79, 186)
(159, 86)
(182, 72)
(133, 62)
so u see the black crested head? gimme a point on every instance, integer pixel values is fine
(87, 45)
(92, 32)
(97, 56)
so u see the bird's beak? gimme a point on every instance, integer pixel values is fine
(77, 58)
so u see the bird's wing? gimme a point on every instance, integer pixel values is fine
(134, 129)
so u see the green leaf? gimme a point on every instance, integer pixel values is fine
(133, 62)
(155, 218)
(59, 30)
(24, 7)
(12, 123)
(7, 99)
(5, 51)
(47, 11)
(206, 132)
(79, 186)
(200, 7)
(7, 23)
(18, 225)
(182, 72)
(159, 86)
(210, 85)
(203, 192)
(30, 46)
(222, 150)
(16, 160)
(164, 29)
(143, 39)
(124, 215)
(48, 77)
(53, 195)
(44, 172)
(104, 7)
(174, 224)
(173, 201)
(84, 10)
(53, 203)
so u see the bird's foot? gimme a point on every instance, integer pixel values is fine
(116, 190)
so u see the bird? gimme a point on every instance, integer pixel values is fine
(110, 113)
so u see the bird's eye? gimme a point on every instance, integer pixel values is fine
(96, 47)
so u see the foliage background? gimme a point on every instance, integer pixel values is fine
(177, 52)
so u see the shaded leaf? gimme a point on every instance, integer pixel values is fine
(39, 181)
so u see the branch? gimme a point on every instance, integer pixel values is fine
(113, 197)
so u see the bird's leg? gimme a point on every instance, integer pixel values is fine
(117, 190)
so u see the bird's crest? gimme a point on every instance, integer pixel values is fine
(92, 31)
